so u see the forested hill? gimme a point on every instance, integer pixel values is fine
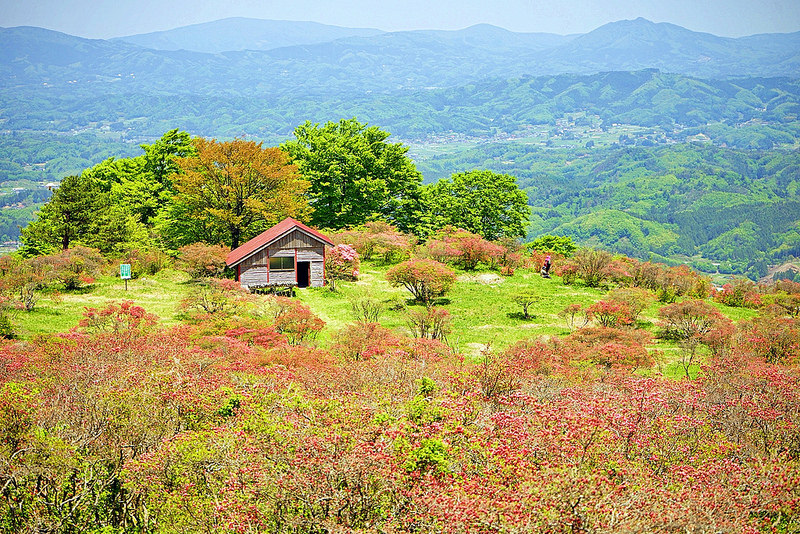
(600, 128)
(745, 113)
(685, 202)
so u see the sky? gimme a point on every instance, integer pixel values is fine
(103, 19)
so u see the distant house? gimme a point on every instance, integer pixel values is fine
(288, 254)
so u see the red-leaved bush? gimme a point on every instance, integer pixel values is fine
(424, 279)
(377, 240)
(295, 320)
(462, 248)
(341, 263)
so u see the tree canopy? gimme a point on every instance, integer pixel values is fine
(482, 202)
(79, 212)
(355, 174)
(233, 190)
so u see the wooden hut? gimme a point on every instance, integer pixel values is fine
(288, 254)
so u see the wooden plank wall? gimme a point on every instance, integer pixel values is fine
(254, 269)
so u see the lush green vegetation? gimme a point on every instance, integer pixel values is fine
(688, 203)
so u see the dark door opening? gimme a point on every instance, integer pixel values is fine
(303, 273)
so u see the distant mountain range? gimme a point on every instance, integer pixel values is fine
(237, 34)
(270, 56)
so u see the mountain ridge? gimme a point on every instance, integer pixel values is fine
(241, 33)
(422, 58)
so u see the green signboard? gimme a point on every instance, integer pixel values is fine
(125, 271)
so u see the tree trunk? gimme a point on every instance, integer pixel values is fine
(235, 236)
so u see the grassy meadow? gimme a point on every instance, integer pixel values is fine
(482, 312)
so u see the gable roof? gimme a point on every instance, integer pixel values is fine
(267, 237)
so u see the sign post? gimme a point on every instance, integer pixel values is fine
(125, 273)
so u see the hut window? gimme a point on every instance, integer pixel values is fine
(281, 264)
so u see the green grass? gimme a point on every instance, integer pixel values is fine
(480, 305)
(159, 294)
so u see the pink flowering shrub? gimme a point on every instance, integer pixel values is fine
(118, 319)
(341, 263)
(377, 240)
(462, 248)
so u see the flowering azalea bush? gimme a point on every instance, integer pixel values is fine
(377, 240)
(124, 318)
(341, 263)
(424, 279)
(295, 320)
(462, 248)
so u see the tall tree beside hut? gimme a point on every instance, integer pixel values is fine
(233, 190)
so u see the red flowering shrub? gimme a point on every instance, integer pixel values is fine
(75, 267)
(773, 339)
(120, 319)
(362, 340)
(610, 314)
(267, 337)
(635, 298)
(609, 348)
(377, 239)
(460, 247)
(511, 255)
(424, 279)
(568, 271)
(740, 293)
(295, 320)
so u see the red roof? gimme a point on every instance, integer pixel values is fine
(273, 234)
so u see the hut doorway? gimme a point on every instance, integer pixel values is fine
(303, 273)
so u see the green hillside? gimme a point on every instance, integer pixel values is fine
(689, 202)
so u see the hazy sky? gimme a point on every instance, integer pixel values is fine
(114, 18)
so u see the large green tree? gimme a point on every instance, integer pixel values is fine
(231, 191)
(482, 202)
(80, 211)
(143, 184)
(355, 174)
